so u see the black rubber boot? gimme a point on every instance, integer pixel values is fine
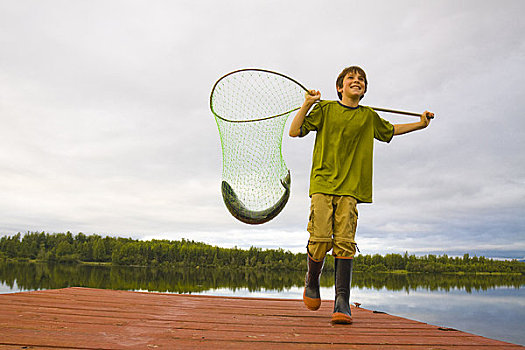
(343, 280)
(312, 295)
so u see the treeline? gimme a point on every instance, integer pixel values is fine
(69, 248)
(438, 264)
(66, 247)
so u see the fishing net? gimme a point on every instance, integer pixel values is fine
(251, 107)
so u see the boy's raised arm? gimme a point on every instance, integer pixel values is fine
(400, 129)
(309, 100)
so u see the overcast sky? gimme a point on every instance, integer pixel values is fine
(106, 129)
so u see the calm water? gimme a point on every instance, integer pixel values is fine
(491, 306)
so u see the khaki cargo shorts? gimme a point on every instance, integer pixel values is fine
(332, 225)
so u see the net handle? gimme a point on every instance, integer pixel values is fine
(398, 112)
(387, 110)
(378, 109)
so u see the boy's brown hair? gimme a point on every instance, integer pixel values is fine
(342, 75)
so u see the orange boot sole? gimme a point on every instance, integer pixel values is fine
(340, 318)
(311, 303)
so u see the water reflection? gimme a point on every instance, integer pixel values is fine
(35, 276)
(497, 313)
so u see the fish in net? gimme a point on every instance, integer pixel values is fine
(251, 107)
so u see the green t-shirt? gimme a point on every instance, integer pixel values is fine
(344, 146)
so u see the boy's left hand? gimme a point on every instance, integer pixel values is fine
(426, 117)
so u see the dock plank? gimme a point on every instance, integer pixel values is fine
(84, 318)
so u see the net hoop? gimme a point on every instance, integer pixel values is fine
(251, 70)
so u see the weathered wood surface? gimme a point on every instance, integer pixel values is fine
(83, 318)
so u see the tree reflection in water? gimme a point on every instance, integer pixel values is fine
(36, 276)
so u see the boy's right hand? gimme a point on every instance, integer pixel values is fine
(311, 96)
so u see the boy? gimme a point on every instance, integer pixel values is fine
(341, 177)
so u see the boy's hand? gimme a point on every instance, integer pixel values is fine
(426, 117)
(400, 129)
(311, 96)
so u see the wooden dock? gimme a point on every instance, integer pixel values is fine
(83, 318)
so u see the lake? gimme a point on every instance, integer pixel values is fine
(488, 305)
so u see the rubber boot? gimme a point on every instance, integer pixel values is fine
(311, 294)
(343, 280)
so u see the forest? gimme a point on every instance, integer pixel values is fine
(118, 251)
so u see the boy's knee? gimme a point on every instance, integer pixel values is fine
(318, 250)
(344, 249)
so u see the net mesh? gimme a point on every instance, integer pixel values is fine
(251, 108)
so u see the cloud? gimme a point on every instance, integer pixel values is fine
(106, 127)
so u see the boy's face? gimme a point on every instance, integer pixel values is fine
(353, 85)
